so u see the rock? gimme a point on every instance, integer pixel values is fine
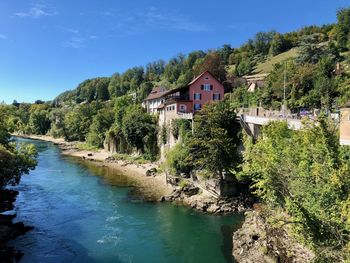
(257, 241)
(151, 172)
(213, 208)
(9, 230)
(190, 190)
(110, 159)
(7, 198)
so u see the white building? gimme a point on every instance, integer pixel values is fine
(154, 99)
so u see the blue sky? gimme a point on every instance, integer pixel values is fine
(49, 46)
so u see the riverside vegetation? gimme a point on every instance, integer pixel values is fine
(15, 160)
(301, 177)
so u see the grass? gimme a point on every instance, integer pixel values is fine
(183, 183)
(267, 66)
(87, 147)
(132, 159)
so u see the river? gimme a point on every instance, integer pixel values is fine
(80, 214)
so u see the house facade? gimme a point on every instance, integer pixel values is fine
(345, 124)
(154, 99)
(189, 99)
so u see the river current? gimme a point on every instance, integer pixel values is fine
(80, 214)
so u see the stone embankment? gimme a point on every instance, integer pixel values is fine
(259, 242)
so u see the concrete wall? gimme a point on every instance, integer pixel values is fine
(345, 126)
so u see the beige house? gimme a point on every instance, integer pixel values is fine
(345, 124)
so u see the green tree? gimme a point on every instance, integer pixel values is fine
(15, 160)
(343, 28)
(101, 123)
(262, 42)
(306, 174)
(214, 144)
(278, 45)
(212, 63)
(140, 130)
(78, 121)
(39, 122)
(244, 67)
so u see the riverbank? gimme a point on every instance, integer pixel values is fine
(154, 186)
(150, 183)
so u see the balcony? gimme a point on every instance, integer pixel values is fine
(186, 116)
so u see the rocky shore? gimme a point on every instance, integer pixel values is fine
(192, 196)
(258, 241)
(8, 229)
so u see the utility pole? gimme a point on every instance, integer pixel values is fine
(284, 92)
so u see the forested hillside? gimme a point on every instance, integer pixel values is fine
(99, 107)
(302, 178)
(312, 50)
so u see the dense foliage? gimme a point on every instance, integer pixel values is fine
(307, 174)
(213, 146)
(15, 160)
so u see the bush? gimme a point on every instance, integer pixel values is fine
(176, 160)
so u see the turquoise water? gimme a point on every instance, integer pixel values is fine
(81, 215)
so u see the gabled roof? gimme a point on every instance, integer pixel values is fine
(159, 92)
(156, 93)
(189, 84)
(199, 76)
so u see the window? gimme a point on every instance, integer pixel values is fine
(207, 87)
(206, 78)
(197, 106)
(216, 96)
(197, 96)
(182, 108)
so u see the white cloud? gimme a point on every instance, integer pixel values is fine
(68, 30)
(156, 19)
(36, 12)
(75, 42)
(173, 21)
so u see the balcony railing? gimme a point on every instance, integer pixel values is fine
(187, 116)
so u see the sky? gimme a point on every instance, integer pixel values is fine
(50, 46)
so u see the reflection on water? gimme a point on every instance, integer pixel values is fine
(81, 217)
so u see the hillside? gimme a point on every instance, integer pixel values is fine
(267, 66)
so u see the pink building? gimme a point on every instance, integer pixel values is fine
(191, 98)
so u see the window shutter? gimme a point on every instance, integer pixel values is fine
(219, 96)
(202, 87)
(200, 96)
(211, 87)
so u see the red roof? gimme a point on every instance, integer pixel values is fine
(156, 93)
(198, 77)
(189, 84)
(159, 92)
